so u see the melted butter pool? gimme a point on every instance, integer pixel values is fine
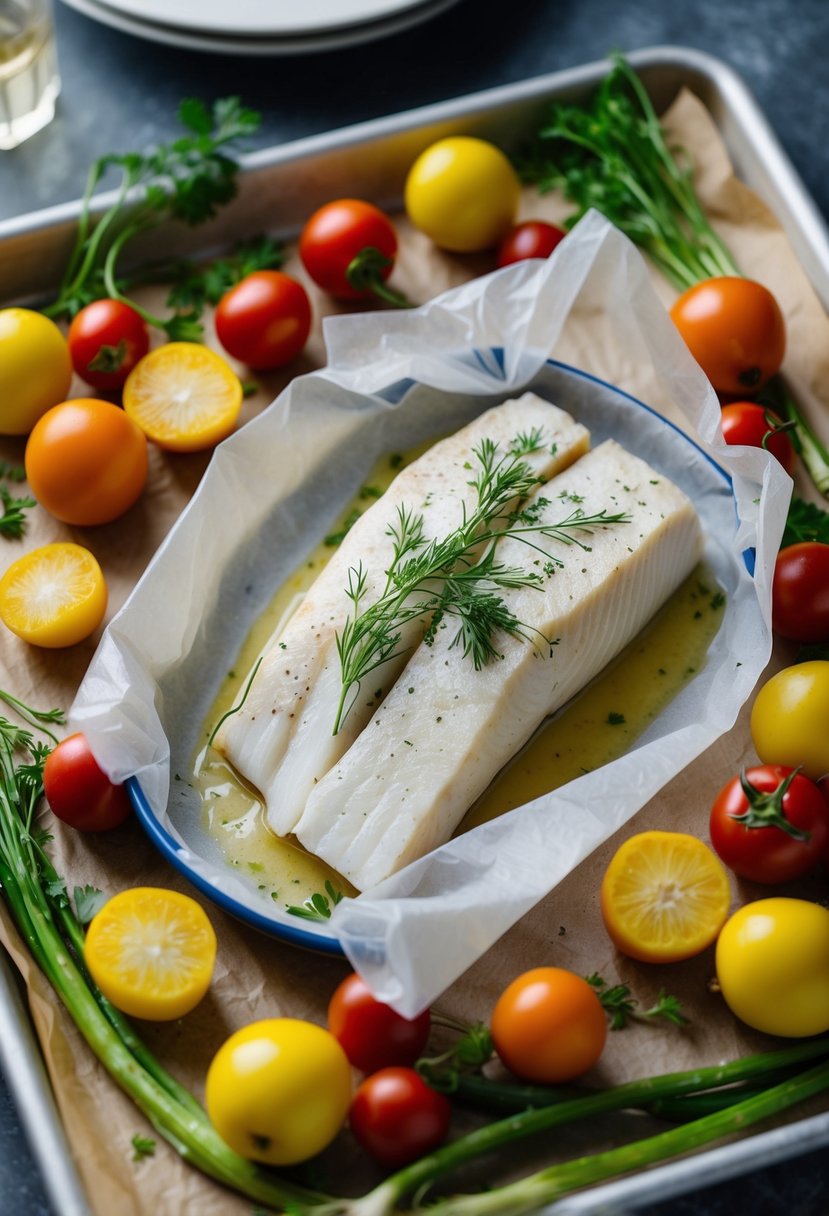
(593, 729)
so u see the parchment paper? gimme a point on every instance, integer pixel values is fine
(259, 977)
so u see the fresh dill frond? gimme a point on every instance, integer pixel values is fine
(458, 575)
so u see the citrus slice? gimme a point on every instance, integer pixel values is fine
(54, 596)
(151, 952)
(183, 396)
(664, 897)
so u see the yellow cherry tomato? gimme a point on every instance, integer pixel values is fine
(278, 1090)
(54, 596)
(184, 396)
(35, 368)
(664, 897)
(790, 718)
(773, 966)
(463, 193)
(151, 952)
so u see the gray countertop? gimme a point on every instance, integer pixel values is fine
(121, 93)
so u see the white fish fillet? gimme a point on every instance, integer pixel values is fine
(281, 740)
(445, 730)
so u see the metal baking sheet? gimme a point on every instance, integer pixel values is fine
(278, 190)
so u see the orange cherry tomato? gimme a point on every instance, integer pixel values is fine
(734, 329)
(548, 1025)
(86, 461)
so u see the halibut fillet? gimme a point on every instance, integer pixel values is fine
(445, 730)
(282, 740)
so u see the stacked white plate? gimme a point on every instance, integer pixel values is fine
(261, 27)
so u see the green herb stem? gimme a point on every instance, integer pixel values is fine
(187, 179)
(612, 156)
(531, 1193)
(532, 1115)
(812, 451)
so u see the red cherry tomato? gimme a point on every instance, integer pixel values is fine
(106, 340)
(370, 1033)
(336, 235)
(548, 1025)
(743, 422)
(264, 320)
(800, 592)
(397, 1118)
(749, 832)
(734, 329)
(79, 792)
(532, 239)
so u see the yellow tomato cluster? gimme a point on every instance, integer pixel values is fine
(278, 1090)
(665, 895)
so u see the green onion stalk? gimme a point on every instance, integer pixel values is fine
(612, 156)
(36, 898)
(741, 1109)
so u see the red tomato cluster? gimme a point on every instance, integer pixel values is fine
(394, 1114)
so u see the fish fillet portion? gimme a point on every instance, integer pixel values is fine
(281, 740)
(445, 730)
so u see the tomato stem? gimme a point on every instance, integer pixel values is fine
(765, 810)
(365, 274)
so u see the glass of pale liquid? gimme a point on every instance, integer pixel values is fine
(29, 80)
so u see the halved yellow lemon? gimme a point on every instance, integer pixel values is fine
(184, 397)
(54, 596)
(151, 952)
(664, 897)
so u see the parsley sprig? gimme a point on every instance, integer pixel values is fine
(317, 906)
(196, 286)
(13, 519)
(468, 1053)
(458, 575)
(188, 179)
(621, 1007)
(805, 522)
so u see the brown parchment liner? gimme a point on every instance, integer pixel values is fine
(257, 977)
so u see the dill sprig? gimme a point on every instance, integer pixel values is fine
(458, 575)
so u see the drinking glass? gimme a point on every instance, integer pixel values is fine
(29, 80)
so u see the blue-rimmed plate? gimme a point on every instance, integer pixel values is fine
(186, 694)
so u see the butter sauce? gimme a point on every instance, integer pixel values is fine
(596, 727)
